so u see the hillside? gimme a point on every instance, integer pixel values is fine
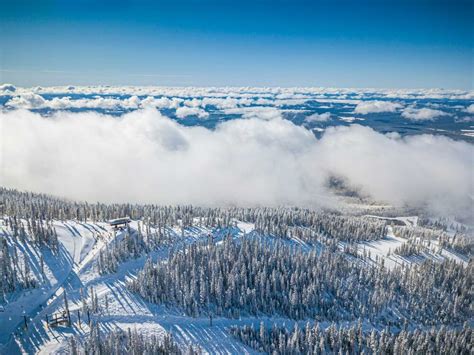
(199, 275)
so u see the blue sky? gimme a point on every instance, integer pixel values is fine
(418, 43)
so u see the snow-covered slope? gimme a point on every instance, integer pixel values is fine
(77, 242)
(73, 271)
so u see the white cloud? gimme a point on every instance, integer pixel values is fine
(193, 103)
(227, 102)
(366, 107)
(260, 112)
(422, 114)
(162, 102)
(466, 119)
(185, 111)
(270, 93)
(7, 88)
(243, 161)
(350, 119)
(415, 170)
(35, 101)
(224, 98)
(315, 117)
(470, 108)
(31, 100)
(26, 101)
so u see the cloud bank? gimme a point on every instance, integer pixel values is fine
(35, 101)
(144, 156)
(277, 93)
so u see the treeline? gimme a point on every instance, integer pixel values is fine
(305, 224)
(130, 342)
(353, 340)
(254, 276)
(29, 205)
(280, 222)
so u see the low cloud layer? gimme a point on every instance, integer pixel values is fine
(248, 92)
(185, 111)
(144, 156)
(35, 101)
(367, 107)
(318, 117)
(422, 114)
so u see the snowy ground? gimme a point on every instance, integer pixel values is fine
(81, 243)
(74, 270)
(77, 242)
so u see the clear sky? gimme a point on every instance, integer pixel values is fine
(383, 43)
